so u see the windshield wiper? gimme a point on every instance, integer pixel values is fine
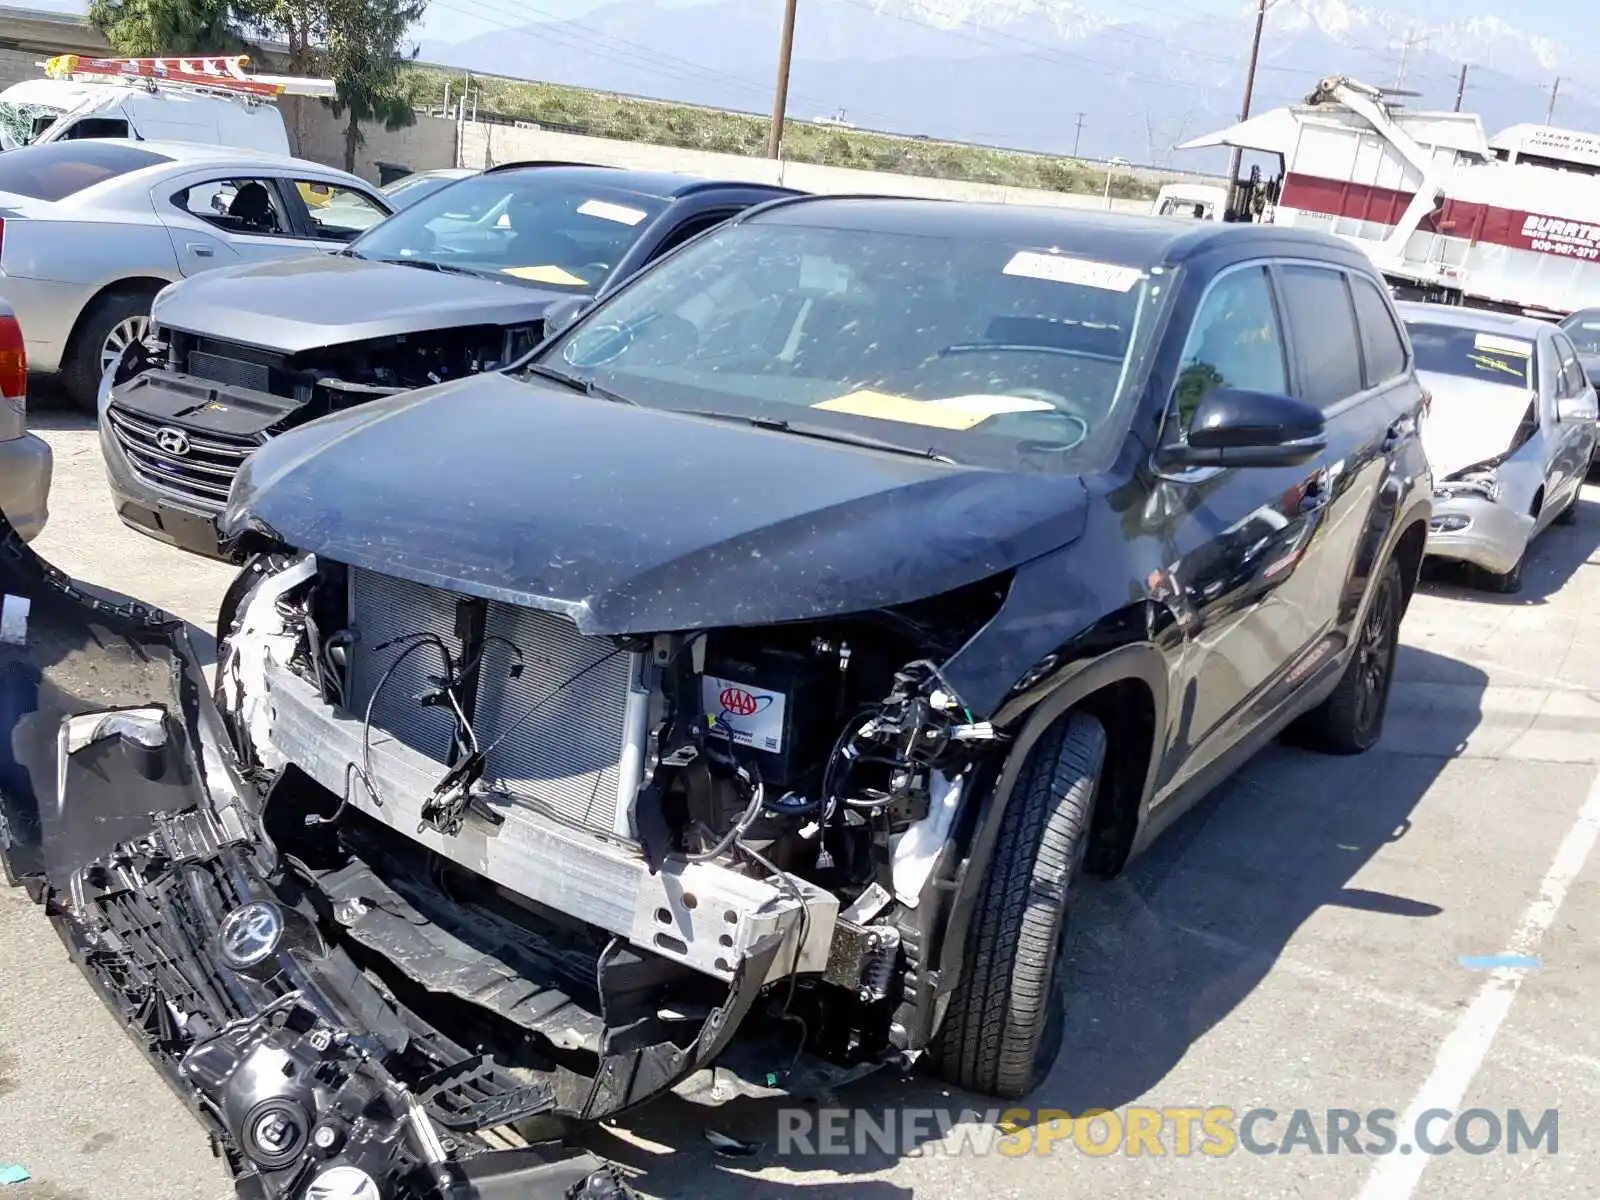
(427, 264)
(577, 383)
(844, 438)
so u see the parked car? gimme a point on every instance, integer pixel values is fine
(456, 284)
(26, 462)
(1510, 434)
(1583, 327)
(741, 661)
(91, 230)
(408, 189)
(402, 193)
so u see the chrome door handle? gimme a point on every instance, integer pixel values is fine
(200, 249)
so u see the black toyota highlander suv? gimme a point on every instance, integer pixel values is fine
(725, 695)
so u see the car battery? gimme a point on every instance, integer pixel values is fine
(778, 704)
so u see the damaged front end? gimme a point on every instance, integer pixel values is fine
(122, 811)
(428, 876)
(604, 856)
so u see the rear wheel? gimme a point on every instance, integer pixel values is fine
(1569, 514)
(1003, 1028)
(1351, 720)
(111, 325)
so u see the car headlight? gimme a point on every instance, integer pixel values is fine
(1482, 483)
(343, 1183)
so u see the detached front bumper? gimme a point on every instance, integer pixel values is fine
(122, 813)
(1474, 529)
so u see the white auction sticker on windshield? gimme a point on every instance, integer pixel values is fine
(752, 715)
(1490, 344)
(606, 211)
(1058, 268)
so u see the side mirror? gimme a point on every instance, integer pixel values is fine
(563, 313)
(1232, 428)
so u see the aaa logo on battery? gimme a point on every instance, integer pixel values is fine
(736, 702)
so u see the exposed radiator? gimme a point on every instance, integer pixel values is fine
(574, 750)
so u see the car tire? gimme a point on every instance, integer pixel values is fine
(1569, 514)
(1351, 720)
(1506, 583)
(117, 313)
(1003, 1027)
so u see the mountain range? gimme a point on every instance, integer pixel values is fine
(1020, 73)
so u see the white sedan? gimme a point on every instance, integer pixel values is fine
(1509, 435)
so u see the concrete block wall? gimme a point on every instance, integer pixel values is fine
(18, 65)
(315, 133)
(484, 145)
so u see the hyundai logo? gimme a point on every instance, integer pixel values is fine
(249, 934)
(173, 441)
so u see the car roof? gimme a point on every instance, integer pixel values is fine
(195, 154)
(1121, 238)
(665, 185)
(1482, 320)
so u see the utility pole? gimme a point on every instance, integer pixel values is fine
(1550, 113)
(1405, 56)
(1461, 87)
(1077, 134)
(1237, 157)
(780, 101)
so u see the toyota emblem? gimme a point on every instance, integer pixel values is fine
(249, 934)
(173, 441)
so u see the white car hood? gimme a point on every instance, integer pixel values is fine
(1471, 420)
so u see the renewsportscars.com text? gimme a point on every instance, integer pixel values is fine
(1211, 1132)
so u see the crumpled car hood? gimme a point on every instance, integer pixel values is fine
(1471, 420)
(296, 304)
(634, 520)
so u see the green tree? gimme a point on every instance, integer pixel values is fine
(148, 27)
(365, 58)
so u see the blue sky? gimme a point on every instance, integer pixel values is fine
(1555, 18)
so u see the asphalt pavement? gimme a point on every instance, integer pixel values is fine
(1324, 938)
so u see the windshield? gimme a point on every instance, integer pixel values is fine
(21, 123)
(1584, 330)
(533, 227)
(982, 351)
(1472, 354)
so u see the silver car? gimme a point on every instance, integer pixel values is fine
(91, 230)
(1509, 434)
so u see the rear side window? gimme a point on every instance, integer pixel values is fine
(57, 170)
(1323, 326)
(1386, 349)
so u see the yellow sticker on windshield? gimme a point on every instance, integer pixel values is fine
(1496, 364)
(546, 274)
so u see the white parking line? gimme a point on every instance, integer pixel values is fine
(1395, 1176)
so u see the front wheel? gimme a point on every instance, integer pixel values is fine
(1003, 1027)
(1351, 720)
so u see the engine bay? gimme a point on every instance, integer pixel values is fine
(775, 815)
